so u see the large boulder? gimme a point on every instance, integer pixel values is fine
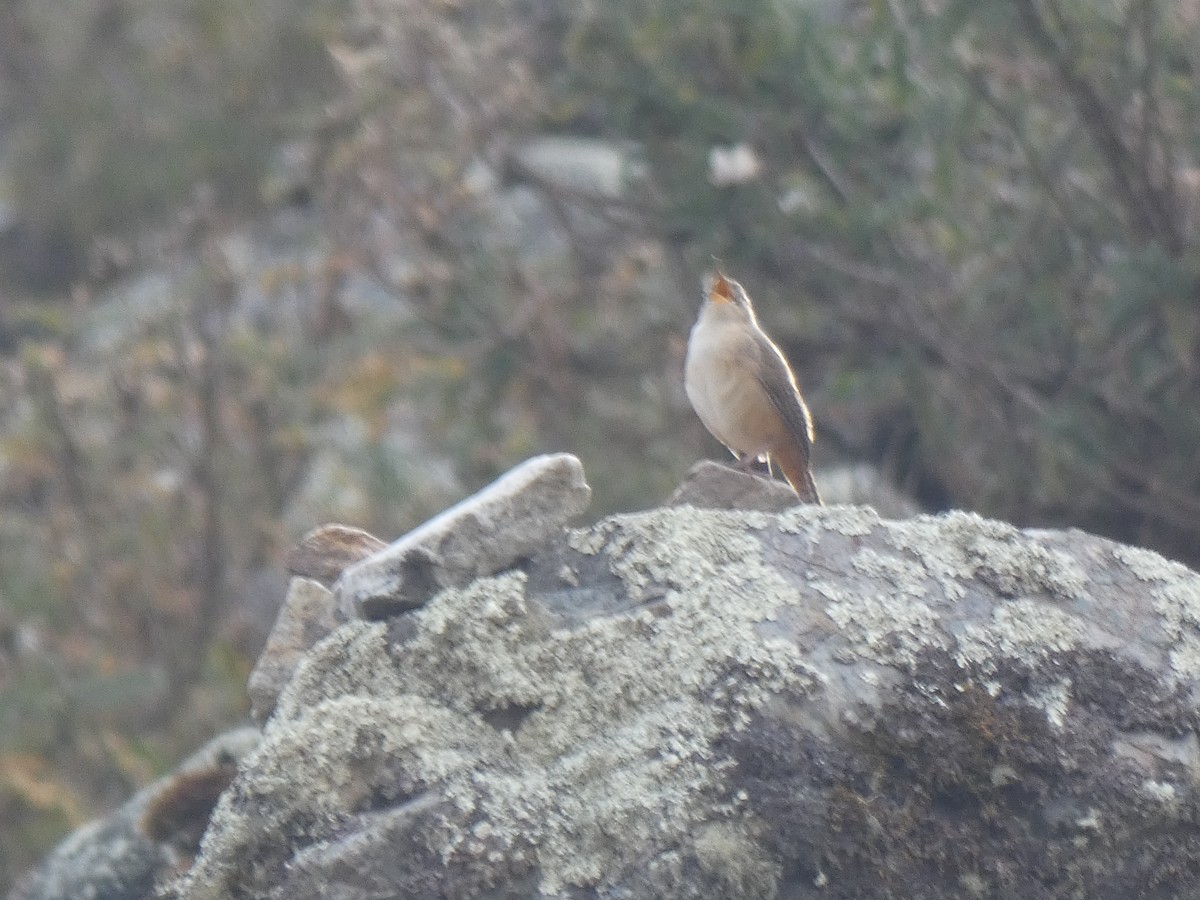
(685, 702)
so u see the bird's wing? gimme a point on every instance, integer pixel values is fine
(777, 380)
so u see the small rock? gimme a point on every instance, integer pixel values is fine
(325, 552)
(587, 166)
(710, 485)
(485, 533)
(728, 166)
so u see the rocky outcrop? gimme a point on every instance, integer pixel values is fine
(695, 701)
(487, 532)
(348, 574)
(687, 702)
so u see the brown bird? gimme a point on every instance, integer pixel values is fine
(743, 389)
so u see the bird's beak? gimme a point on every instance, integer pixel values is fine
(720, 290)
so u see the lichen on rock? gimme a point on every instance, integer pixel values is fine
(545, 741)
(698, 703)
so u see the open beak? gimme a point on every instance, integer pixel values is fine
(720, 290)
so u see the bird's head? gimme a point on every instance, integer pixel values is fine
(725, 295)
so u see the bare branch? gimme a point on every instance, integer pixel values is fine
(1130, 177)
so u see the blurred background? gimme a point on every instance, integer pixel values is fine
(265, 266)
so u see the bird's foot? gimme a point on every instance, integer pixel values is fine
(746, 462)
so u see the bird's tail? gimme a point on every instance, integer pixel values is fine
(793, 462)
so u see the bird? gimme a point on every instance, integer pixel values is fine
(743, 389)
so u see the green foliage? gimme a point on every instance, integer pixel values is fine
(972, 224)
(1003, 194)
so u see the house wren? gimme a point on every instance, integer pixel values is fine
(743, 389)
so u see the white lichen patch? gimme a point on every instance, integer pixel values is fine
(959, 546)
(907, 577)
(1175, 593)
(483, 635)
(813, 521)
(678, 549)
(1054, 701)
(736, 863)
(1024, 628)
(353, 660)
(1146, 565)
(588, 541)
(1152, 751)
(640, 780)
(1004, 774)
(757, 521)
(1178, 602)
(892, 630)
(1162, 791)
(1185, 658)
(946, 566)
(306, 768)
(973, 884)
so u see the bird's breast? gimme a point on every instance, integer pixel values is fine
(724, 389)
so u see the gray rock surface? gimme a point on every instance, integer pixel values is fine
(309, 613)
(711, 485)
(489, 531)
(699, 703)
(123, 856)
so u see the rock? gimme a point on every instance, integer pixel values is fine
(733, 165)
(708, 703)
(584, 166)
(325, 552)
(487, 532)
(308, 614)
(481, 535)
(710, 485)
(124, 855)
(523, 225)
